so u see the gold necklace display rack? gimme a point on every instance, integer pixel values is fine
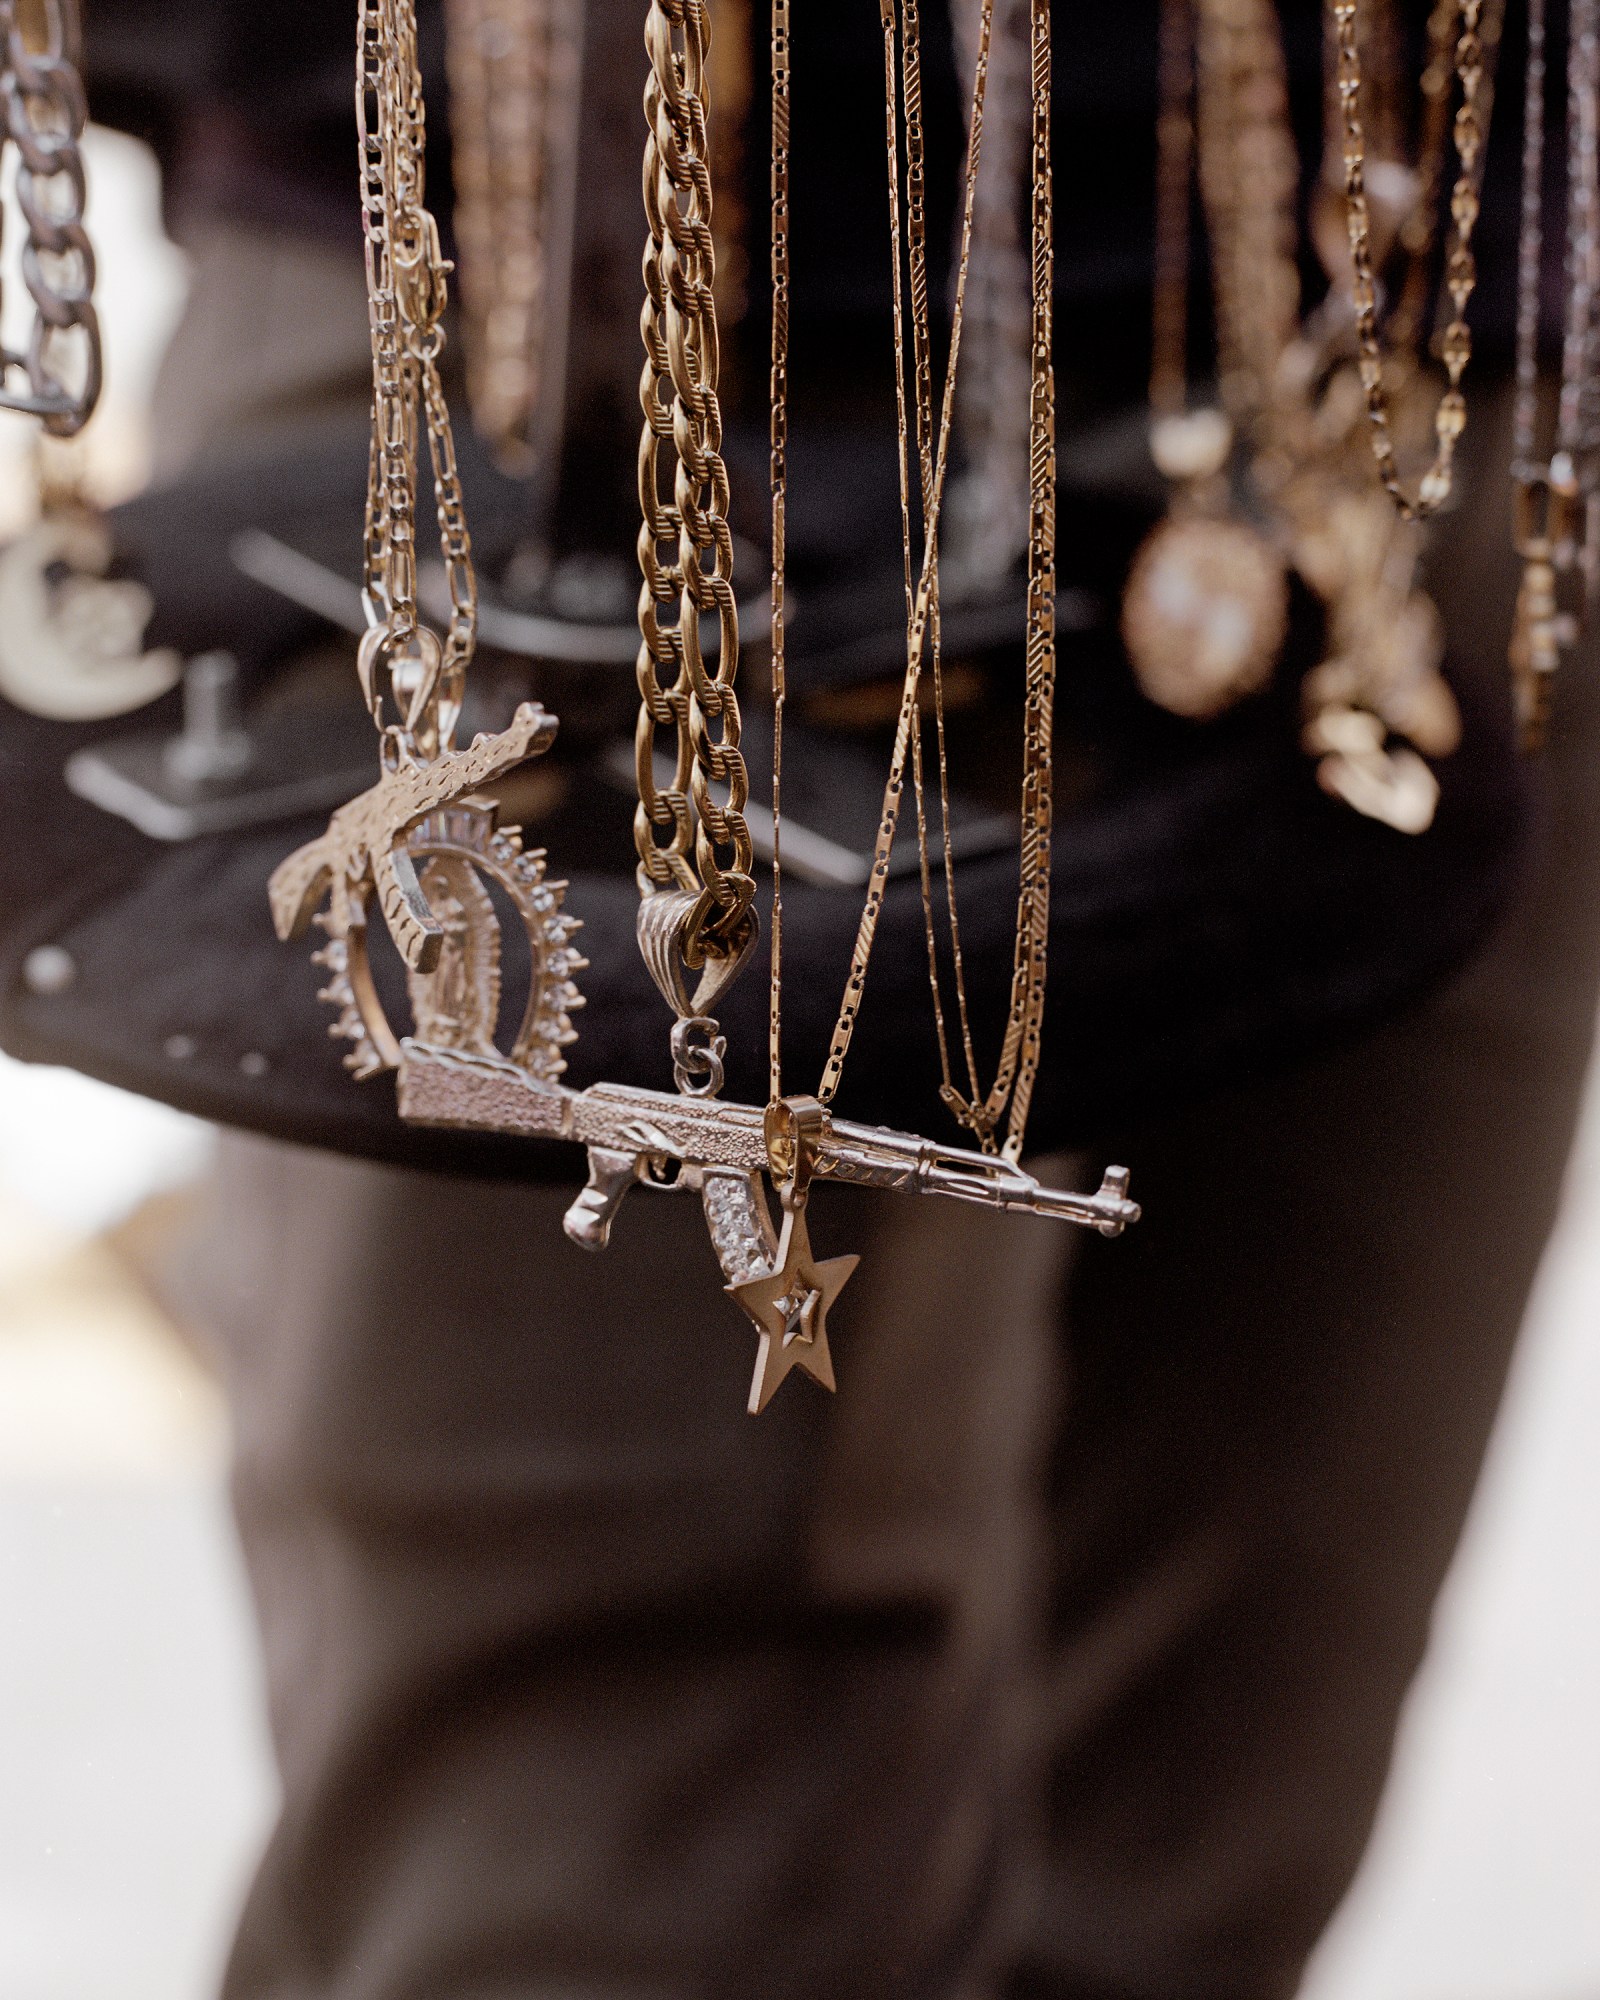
(420, 846)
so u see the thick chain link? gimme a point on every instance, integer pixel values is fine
(687, 840)
(42, 114)
(401, 660)
(1461, 272)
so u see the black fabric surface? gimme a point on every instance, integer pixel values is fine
(1214, 913)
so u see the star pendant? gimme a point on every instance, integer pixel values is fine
(790, 1308)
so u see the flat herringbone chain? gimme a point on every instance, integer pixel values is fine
(43, 113)
(686, 838)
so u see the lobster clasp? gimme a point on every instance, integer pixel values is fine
(421, 272)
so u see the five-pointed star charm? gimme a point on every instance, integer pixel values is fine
(790, 1307)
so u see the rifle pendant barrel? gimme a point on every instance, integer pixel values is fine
(446, 1087)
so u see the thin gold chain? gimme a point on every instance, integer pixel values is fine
(908, 719)
(780, 505)
(916, 232)
(1461, 276)
(1024, 1031)
(685, 838)
(1020, 1053)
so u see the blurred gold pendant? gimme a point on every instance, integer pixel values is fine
(1204, 614)
(1357, 766)
(1382, 679)
(71, 637)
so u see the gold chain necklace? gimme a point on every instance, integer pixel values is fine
(1018, 1065)
(694, 852)
(1461, 274)
(779, 397)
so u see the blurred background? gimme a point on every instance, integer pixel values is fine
(133, 1759)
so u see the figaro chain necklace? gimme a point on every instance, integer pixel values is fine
(695, 859)
(1018, 1066)
(421, 842)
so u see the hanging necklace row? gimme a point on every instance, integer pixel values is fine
(422, 848)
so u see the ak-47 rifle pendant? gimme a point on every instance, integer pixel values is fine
(727, 1153)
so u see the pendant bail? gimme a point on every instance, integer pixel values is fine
(796, 1130)
(671, 930)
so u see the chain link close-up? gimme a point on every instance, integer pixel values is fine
(42, 114)
(1461, 271)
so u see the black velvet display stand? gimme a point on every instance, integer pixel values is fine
(1213, 912)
